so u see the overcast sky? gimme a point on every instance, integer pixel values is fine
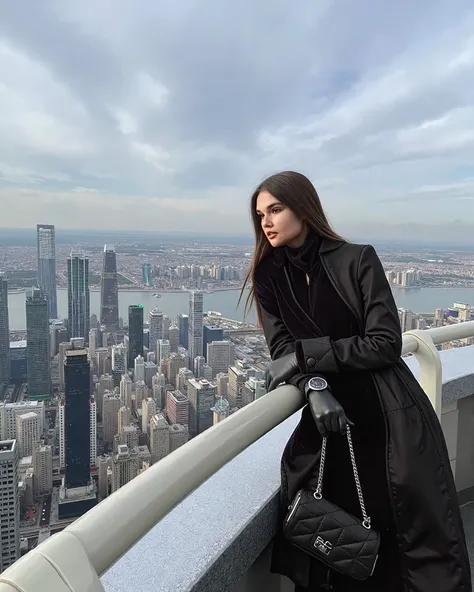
(165, 115)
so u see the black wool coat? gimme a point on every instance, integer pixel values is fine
(399, 433)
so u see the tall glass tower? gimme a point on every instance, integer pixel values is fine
(78, 295)
(77, 377)
(135, 333)
(109, 313)
(4, 333)
(195, 325)
(37, 345)
(183, 324)
(46, 240)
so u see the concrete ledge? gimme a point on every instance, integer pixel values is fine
(212, 538)
(458, 372)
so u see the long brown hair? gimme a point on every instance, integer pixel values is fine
(295, 191)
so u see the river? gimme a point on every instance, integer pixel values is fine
(415, 299)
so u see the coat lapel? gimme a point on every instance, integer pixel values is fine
(311, 322)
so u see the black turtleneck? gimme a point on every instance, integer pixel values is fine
(305, 257)
(303, 263)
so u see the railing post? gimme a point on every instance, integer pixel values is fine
(430, 367)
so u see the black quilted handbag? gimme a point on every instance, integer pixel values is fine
(328, 533)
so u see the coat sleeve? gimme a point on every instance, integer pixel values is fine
(381, 344)
(279, 340)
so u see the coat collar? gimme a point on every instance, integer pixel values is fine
(279, 257)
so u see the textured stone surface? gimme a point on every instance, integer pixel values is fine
(211, 539)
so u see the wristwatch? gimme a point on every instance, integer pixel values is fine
(316, 383)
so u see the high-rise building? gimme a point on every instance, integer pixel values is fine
(78, 295)
(148, 411)
(135, 333)
(9, 413)
(111, 405)
(155, 323)
(159, 437)
(46, 240)
(183, 326)
(28, 432)
(37, 345)
(4, 333)
(93, 431)
(139, 369)
(77, 418)
(238, 376)
(201, 396)
(220, 355)
(173, 364)
(195, 325)
(163, 351)
(177, 407)
(159, 390)
(9, 503)
(184, 374)
(252, 390)
(406, 319)
(42, 468)
(125, 466)
(174, 338)
(178, 435)
(220, 410)
(109, 313)
(210, 333)
(18, 362)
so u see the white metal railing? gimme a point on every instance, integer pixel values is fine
(73, 560)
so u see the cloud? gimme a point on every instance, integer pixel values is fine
(168, 115)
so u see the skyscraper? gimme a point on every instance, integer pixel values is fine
(201, 397)
(78, 295)
(183, 325)
(155, 322)
(77, 418)
(210, 333)
(37, 345)
(135, 333)
(46, 240)
(109, 315)
(4, 333)
(9, 503)
(195, 325)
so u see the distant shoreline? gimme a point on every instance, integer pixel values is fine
(235, 288)
(151, 290)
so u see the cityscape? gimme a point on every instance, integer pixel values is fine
(139, 447)
(90, 401)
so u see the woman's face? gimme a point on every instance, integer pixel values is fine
(280, 225)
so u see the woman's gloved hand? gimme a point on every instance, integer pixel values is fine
(280, 370)
(327, 413)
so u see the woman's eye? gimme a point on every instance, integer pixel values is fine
(276, 210)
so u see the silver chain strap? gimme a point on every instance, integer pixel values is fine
(318, 493)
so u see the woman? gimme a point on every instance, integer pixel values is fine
(327, 310)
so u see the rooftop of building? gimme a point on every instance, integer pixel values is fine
(18, 344)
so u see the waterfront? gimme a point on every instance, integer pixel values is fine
(415, 299)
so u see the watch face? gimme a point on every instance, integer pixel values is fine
(317, 384)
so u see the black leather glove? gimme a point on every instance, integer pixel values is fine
(280, 370)
(327, 413)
